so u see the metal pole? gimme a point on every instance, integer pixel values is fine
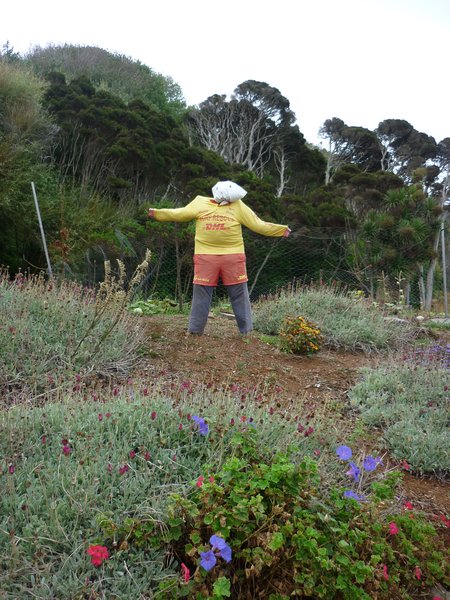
(444, 268)
(44, 243)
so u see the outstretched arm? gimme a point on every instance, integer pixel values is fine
(180, 215)
(253, 222)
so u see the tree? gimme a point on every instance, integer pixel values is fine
(403, 148)
(349, 145)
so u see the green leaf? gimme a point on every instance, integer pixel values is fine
(222, 588)
(276, 541)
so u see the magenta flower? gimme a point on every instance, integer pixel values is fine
(186, 573)
(66, 450)
(98, 554)
(393, 529)
(11, 469)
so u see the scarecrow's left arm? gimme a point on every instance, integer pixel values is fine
(248, 218)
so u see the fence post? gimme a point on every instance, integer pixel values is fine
(444, 268)
(44, 243)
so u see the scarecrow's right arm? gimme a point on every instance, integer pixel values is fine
(179, 215)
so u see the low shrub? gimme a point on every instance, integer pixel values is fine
(51, 331)
(112, 456)
(300, 336)
(407, 400)
(346, 322)
(262, 528)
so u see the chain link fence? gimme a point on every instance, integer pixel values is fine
(308, 256)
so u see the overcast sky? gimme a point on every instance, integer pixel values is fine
(360, 60)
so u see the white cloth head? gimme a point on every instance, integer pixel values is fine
(227, 191)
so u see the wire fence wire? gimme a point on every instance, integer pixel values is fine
(306, 257)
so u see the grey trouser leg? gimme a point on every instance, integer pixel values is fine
(201, 301)
(240, 301)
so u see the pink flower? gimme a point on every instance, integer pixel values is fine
(107, 415)
(385, 573)
(200, 481)
(100, 417)
(437, 598)
(44, 439)
(180, 427)
(211, 479)
(66, 450)
(185, 572)
(98, 554)
(309, 431)
(147, 455)
(408, 505)
(11, 469)
(132, 454)
(145, 391)
(123, 469)
(418, 573)
(404, 465)
(393, 529)
(153, 415)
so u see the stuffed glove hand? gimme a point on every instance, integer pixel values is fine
(287, 232)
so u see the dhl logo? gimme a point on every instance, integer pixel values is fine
(215, 226)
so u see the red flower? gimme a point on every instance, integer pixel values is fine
(44, 439)
(404, 465)
(385, 573)
(418, 573)
(123, 469)
(107, 415)
(11, 469)
(186, 573)
(66, 449)
(100, 417)
(153, 415)
(393, 529)
(200, 481)
(98, 554)
(180, 427)
(211, 479)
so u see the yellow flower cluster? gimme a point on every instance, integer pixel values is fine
(300, 336)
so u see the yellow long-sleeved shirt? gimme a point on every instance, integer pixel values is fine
(218, 228)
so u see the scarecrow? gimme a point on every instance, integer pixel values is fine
(219, 249)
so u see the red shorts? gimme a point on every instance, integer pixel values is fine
(230, 268)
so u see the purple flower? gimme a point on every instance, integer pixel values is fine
(208, 560)
(353, 471)
(351, 494)
(344, 452)
(203, 427)
(219, 543)
(370, 463)
(225, 553)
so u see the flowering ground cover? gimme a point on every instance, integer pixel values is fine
(220, 468)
